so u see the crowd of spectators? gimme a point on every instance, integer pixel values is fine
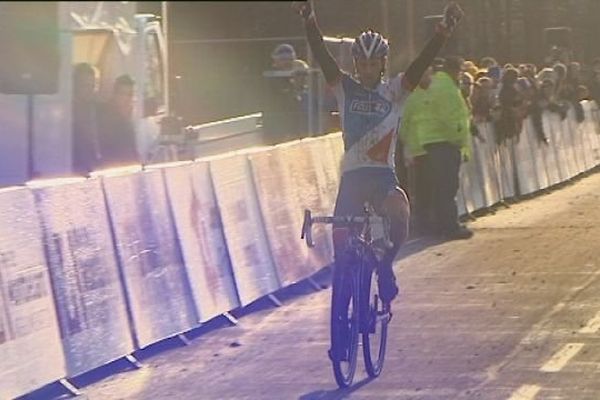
(506, 95)
(440, 116)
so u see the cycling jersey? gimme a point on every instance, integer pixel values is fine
(369, 121)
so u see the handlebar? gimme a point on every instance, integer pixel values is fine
(309, 220)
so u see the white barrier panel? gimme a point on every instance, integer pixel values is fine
(582, 132)
(253, 268)
(30, 346)
(337, 145)
(326, 155)
(560, 147)
(314, 168)
(460, 202)
(156, 280)
(89, 296)
(326, 159)
(550, 151)
(200, 231)
(593, 115)
(281, 212)
(567, 136)
(507, 168)
(577, 138)
(473, 187)
(476, 177)
(537, 155)
(465, 189)
(594, 134)
(483, 153)
(526, 168)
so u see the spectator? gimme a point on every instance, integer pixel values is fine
(283, 118)
(466, 87)
(583, 93)
(509, 121)
(446, 138)
(482, 100)
(117, 137)
(417, 107)
(572, 81)
(488, 62)
(470, 67)
(84, 106)
(527, 91)
(545, 101)
(594, 81)
(283, 57)
(560, 73)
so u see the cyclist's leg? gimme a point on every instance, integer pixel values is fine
(391, 201)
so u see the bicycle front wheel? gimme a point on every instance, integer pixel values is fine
(374, 327)
(344, 327)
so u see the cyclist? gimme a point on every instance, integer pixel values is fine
(370, 110)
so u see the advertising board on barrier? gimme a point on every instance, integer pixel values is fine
(80, 256)
(314, 170)
(255, 274)
(30, 346)
(536, 145)
(484, 151)
(549, 151)
(525, 161)
(200, 232)
(591, 131)
(281, 212)
(149, 255)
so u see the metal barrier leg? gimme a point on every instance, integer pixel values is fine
(231, 318)
(70, 387)
(275, 300)
(184, 339)
(314, 284)
(134, 361)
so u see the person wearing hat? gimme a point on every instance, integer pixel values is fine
(283, 115)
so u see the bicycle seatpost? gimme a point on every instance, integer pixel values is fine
(307, 229)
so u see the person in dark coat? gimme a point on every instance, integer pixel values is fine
(116, 130)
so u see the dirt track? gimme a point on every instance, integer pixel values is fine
(478, 319)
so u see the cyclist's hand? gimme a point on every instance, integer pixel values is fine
(452, 16)
(304, 8)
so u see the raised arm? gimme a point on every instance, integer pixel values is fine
(315, 40)
(452, 15)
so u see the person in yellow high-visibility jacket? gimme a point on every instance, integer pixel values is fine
(417, 107)
(445, 136)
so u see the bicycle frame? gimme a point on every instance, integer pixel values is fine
(365, 246)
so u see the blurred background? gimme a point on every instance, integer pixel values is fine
(219, 50)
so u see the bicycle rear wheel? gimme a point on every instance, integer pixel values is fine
(344, 327)
(374, 327)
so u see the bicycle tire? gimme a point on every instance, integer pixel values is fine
(375, 315)
(344, 370)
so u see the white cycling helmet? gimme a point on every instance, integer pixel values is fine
(370, 44)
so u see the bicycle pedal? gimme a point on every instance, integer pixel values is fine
(337, 359)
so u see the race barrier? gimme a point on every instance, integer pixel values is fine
(30, 346)
(249, 251)
(155, 278)
(200, 231)
(93, 269)
(85, 280)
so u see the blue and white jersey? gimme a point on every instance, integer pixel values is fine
(369, 119)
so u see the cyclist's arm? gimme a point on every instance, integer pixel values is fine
(324, 58)
(452, 15)
(417, 68)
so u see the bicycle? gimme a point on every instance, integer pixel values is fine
(356, 307)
